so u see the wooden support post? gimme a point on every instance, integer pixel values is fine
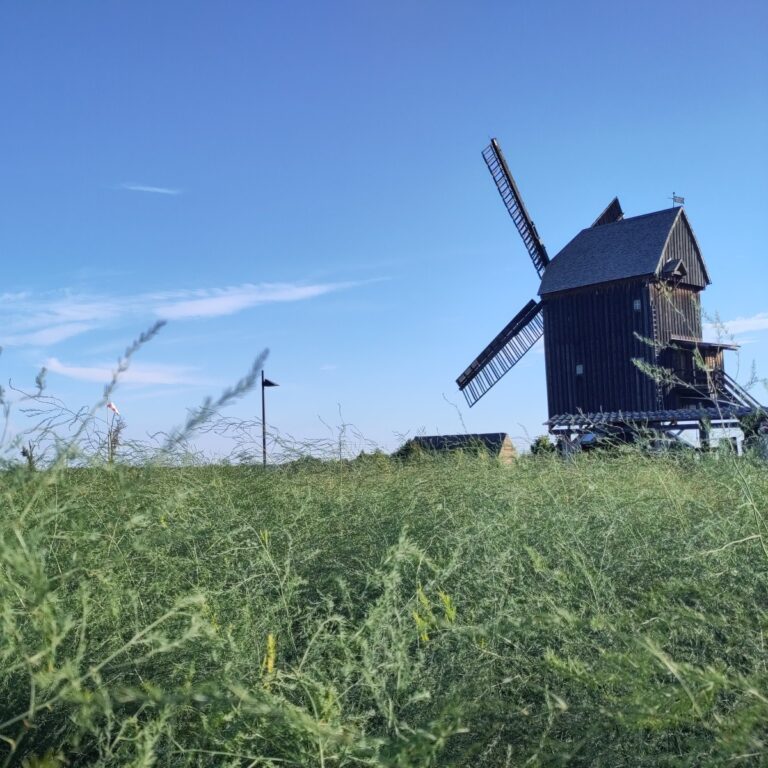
(704, 433)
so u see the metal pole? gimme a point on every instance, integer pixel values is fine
(263, 425)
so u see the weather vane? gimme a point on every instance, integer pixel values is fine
(677, 200)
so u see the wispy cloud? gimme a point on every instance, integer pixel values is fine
(46, 336)
(137, 374)
(758, 322)
(150, 189)
(228, 301)
(737, 326)
(45, 319)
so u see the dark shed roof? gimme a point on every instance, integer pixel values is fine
(622, 249)
(491, 441)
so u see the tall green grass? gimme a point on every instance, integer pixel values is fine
(607, 611)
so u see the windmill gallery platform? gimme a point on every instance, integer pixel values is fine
(620, 314)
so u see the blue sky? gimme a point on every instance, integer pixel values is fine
(307, 177)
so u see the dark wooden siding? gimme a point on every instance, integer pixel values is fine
(678, 312)
(596, 327)
(682, 245)
(695, 382)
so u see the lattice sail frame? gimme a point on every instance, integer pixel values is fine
(513, 202)
(505, 351)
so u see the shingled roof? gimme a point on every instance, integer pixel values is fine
(628, 248)
(495, 443)
(490, 440)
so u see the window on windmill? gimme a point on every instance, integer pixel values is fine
(637, 304)
(579, 369)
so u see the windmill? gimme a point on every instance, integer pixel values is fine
(621, 296)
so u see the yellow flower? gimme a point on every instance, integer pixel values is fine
(268, 664)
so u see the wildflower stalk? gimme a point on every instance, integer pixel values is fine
(205, 412)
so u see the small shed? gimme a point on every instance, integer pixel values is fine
(495, 444)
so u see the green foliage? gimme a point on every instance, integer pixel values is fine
(542, 446)
(606, 611)
(753, 422)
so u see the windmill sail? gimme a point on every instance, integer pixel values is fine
(517, 337)
(510, 194)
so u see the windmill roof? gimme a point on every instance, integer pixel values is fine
(627, 248)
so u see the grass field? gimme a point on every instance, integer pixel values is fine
(609, 611)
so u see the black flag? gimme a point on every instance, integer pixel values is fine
(268, 383)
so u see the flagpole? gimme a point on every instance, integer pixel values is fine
(263, 424)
